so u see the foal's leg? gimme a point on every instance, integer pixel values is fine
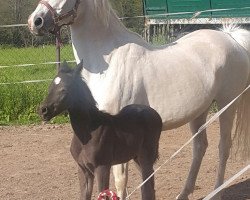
(145, 165)
(121, 178)
(226, 123)
(199, 148)
(102, 174)
(86, 179)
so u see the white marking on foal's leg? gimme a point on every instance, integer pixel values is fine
(121, 178)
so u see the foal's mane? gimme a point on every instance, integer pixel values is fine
(87, 104)
(81, 94)
(84, 96)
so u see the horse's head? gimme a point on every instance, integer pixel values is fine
(62, 92)
(50, 15)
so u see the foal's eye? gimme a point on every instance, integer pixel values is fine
(63, 90)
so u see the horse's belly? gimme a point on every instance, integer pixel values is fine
(180, 99)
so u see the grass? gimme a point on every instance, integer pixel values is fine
(19, 102)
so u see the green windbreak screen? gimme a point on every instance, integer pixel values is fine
(241, 11)
(152, 7)
(177, 6)
(155, 7)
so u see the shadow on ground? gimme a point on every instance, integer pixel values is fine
(239, 191)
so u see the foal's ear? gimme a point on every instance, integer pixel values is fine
(79, 67)
(63, 67)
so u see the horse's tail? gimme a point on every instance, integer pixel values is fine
(241, 139)
(242, 36)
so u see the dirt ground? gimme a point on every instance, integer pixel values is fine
(35, 163)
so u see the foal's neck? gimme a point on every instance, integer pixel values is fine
(84, 115)
(84, 123)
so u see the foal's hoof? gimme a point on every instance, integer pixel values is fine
(181, 197)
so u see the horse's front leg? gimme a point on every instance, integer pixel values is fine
(199, 148)
(121, 178)
(86, 179)
(103, 175)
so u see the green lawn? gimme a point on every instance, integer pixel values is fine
(19, 102)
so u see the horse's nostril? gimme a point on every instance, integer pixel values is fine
(44, 110)
(38, 22)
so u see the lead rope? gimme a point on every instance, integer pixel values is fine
(58, 48)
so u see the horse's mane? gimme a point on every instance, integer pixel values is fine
(103, 10)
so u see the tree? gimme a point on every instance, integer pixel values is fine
(127, 9)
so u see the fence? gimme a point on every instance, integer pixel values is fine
(19, 46)
(37, 52)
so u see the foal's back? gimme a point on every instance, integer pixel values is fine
(137, 129)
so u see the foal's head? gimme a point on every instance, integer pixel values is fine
(67, 91)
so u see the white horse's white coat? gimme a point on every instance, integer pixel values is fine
(179, 80)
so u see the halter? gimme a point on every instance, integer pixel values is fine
(57, 18)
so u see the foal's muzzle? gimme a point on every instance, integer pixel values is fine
(44, 110)
(44, 113)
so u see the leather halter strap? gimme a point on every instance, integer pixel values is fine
(59, 17)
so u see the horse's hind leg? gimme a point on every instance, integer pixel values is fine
(199, 148)
(121, 178)
(226, 123)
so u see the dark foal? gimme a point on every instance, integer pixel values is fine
(101, 140)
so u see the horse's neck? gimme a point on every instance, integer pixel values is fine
(94, 41)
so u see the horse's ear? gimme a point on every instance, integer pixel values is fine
(64, 66)
(79, 67)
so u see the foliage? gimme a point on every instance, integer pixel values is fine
(130, 8)
(19, 102)
(17, 12)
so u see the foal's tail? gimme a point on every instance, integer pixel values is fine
(241, 139)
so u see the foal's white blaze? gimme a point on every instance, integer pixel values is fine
(57, 80)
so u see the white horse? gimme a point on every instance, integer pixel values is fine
(179, 80)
